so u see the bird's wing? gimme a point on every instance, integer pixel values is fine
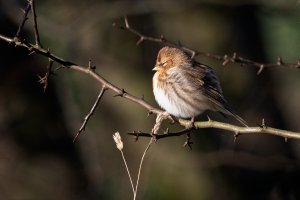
(204, 79)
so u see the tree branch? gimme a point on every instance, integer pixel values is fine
(161, 115)
(237, 130)
(226, 59)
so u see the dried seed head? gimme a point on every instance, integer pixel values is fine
(118, 140)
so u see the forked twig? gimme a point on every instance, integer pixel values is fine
(140, 166)
(118, 140)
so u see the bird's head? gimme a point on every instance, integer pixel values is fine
(170, 57)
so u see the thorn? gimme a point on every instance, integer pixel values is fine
(121, 94)
(31, 53)
(142, 98)
(226, 61)
(263, 124)
(172, 120)
(234, 55)
(30, 49)
(279, 61)
(162, 38)
(149, 113)
(236, 135)
(166, 131)
(140, 40)
(193, 54)
(189, 144)
(196, 53)
(188, 141)
(126, 22)
(136, 138)
(208, 118)
(261, 67)
(285, 139)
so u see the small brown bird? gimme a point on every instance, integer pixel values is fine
(186, 88)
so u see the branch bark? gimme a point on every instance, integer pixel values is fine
(236, 130)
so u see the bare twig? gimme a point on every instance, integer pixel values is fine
(88, 116)
(20, 28)
(35, 27)
(159, 136)
(226, 59)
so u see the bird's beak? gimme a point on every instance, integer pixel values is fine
(156, 68)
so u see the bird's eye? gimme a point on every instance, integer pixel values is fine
(164, 64)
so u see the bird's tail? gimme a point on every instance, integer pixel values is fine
(241, 120)
(228, 111)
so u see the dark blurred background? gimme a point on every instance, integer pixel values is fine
(37, 157)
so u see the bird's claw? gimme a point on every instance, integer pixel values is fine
(190, 124)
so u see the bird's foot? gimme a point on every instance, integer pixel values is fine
(190, 124)
(159, 119)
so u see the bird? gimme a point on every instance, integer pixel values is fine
(186, 88)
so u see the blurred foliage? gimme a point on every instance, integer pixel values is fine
(37, 157)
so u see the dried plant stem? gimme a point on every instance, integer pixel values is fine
(140, 167)
(119, 144)
(127, 169)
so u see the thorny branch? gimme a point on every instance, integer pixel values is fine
(237, 130)
(226, 59)
(88, 116)
(161, 115)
